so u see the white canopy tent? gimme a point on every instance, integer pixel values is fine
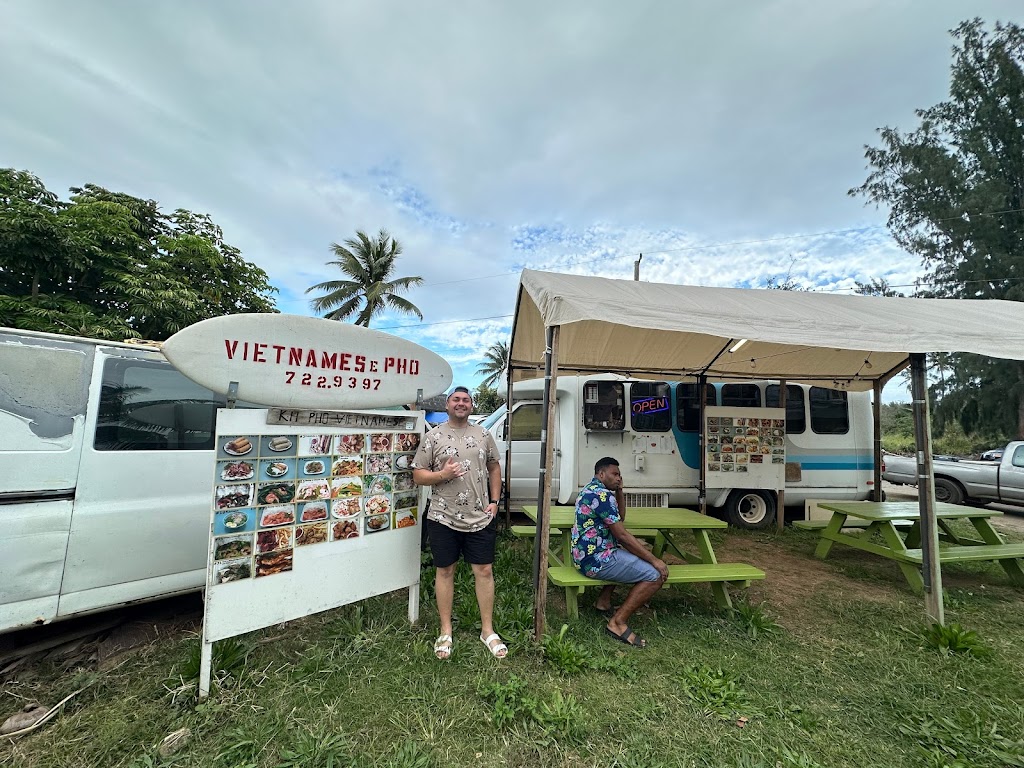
(592, 324)
(655, 329)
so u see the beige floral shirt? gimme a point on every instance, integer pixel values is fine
(459, 503)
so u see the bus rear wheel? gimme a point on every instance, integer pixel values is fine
(752, 510)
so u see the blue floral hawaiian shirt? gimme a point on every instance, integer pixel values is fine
(592, 541)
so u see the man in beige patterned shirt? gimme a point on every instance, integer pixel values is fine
(460, 461)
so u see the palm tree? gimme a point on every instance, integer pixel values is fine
(495, 362)
(369, 288)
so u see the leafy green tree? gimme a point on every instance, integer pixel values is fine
(877, 287)
(954, 187)
(486, 399)
(109, 265)
(370, 286)
(495, 362)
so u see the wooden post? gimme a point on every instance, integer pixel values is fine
(876, 417)
(702, 478)
(508, 451)
(780, 507)
(931, 570)
(547, 443)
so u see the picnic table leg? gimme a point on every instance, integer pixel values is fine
(913, 540)
(659, 544)
(825, 543)
(892, 538)
(707, 555)
(991, 536)
(670, 543)
(572, 606)
(950, 534)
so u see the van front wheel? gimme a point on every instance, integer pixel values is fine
(752, 510)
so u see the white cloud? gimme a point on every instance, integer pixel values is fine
(488, 137)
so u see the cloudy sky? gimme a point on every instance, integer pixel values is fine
(718, 139)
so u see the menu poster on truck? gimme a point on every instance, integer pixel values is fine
(745, 447)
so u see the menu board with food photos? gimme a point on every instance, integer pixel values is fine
(308, 518)
(745, 447)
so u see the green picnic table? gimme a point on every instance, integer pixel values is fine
(699, 566)
(882, 517)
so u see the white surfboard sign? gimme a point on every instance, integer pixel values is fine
(293, 361)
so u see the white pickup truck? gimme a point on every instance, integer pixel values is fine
(963, 481)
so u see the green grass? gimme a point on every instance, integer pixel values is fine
(840, 677)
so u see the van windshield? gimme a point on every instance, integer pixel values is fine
(489, 422)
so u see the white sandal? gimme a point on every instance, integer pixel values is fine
(498, 651)
(443, 645)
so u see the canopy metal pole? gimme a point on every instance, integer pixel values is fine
(930, 567)
(702, 479)
(780, 507)
(540, 552)
(876, 417)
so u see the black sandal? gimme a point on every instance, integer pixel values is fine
(636, 642)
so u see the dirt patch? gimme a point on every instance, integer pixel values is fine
(793, 578)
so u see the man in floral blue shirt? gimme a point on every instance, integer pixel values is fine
(603, 549)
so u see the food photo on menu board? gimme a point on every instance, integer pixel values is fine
(315, 445)
(315, 533)
(377, 462)
(344, 529)
(347, 466)
(349, 445)
(313, 511)
(312, 490)
(374, 484)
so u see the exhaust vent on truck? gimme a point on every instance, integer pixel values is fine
(646, 499)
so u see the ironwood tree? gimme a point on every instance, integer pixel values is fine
(954, 187)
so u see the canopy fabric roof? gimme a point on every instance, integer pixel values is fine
(677, 331)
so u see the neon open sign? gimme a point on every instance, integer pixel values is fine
(649, 405)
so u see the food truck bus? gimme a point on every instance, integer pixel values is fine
(653, 429)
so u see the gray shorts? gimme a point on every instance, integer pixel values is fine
(626, 568)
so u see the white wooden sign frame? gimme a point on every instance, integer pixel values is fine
(323, 575)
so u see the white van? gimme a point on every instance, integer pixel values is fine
(105, 476)
(829, 451)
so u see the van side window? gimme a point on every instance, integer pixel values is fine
(526, 422)
(604, 405)
(688, 407)
(149, 406)
(650, 407)
(741, 395)
(796, 418)
(829, 411)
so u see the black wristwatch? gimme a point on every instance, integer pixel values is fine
(493, 501)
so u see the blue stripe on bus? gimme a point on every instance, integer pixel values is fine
(833, 462)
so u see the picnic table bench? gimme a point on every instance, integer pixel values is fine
(659, 524)
(906, 552)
